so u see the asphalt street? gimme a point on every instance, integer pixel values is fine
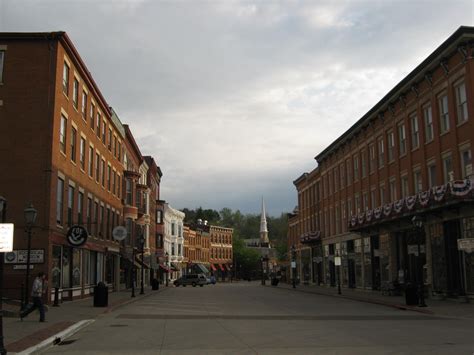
(246, 318)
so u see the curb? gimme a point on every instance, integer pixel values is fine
(131, 300)
(59, 336)
(365, 300)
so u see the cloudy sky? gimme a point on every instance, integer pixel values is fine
(235, 98)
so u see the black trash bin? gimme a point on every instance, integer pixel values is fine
(411, 296)
(155, 285)
(275, 281)
(101, 295)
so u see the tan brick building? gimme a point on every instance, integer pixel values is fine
(410, 155)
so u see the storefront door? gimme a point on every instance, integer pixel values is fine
(451, 236)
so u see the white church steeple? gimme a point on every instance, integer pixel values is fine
(263, 227)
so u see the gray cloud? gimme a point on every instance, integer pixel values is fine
(235, 98)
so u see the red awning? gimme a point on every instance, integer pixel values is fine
(164, 268)
(220, 265)
(213, 267)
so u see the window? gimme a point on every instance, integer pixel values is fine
(428, 123)
(466, 163)
(91, 161)
(2, 60)
(75, 93)
(391, 146)
(102, 172)
(371, 158)
(109, 145)
(102, 220)
(66, 79)
(443, 113)
(96, 218)
(89, 214)
(365, 201)
(80, 204)
(114, 146)
(373, 202)
(73, 144)
(59, 201)
(363, 163)
(70, 205)
(97, 166)
(62, 134)
(448, 173)
(415, 133)
(104, 128)
(113, 182)
(393, 190)
(91, 115)
(109, 175)
(357, 203)
(84, 105)
(159, 217)
(173, 227)
(432, 174)
(461, 102)
(356, 167)
(418, 183)
(382, 194)
(119, 153)
(97, 128)
(402, 139)
(381, 152)
(82, 153)
(404, 184)
(336, 179)
(128, 192)
(342, 176)
(348, 170)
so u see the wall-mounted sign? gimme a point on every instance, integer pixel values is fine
(6, 237)
(466, 244)
(119, 233)
(293, 264)
(77, 236)
(20, 256)
(337, 261)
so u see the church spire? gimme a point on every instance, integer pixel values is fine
(263, 226)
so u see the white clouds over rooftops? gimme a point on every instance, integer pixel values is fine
(235, 98)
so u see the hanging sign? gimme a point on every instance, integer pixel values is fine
(6, 237)
(119, 233)
(77, 236)
(466, 244)
(337, 261)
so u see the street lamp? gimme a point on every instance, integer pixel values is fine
(167, 268)
(30, 218)
(142, 246)
(3, 211)
(417, 222)
(293, 265)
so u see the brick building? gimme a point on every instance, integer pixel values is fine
(409, 156)
(60, 150)
(221, 251)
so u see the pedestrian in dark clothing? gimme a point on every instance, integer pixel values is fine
(37, 292)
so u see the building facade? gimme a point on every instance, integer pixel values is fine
(221, 251)
(406, 160)
(173, 241)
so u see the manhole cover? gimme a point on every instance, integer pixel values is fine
(119, 325)
(66, 342)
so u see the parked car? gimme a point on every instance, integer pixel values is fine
(191, 279)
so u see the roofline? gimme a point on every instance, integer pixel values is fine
(437, 53)
(129, 136)
(300, 178)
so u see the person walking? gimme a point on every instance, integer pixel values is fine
(37, 292)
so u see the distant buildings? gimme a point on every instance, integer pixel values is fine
(392, 197)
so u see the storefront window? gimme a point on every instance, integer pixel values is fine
(87, 264)
(100, 267)
(358, 262)
(367, 264)
(76, 267)
(56, 267)
(468, 227)
(93, 268)
(109, 268)
(66, 269)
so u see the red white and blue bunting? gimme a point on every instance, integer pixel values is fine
(455, 189)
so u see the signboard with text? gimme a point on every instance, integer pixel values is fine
(6, 237)
(466, 244)
(20, 256)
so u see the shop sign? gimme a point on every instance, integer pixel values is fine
(293, 264)
(413, 249)
(6, 237)
(77, 236)
(20, 256)
(119, 233)
(317, 259)
(22, 267)
(337, 261)
(466, 244)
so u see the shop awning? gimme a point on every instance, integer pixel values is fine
(203, 269)
(175, 267)
(165, 268)
(222, 268)
(213, 267)
(140, 264)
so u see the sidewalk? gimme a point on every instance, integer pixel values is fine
(444, 308)
(20, 335)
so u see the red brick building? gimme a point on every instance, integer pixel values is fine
(61, 150)
(221, 251)
(409, 156)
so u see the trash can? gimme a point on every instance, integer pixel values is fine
(155, 285)
(101, 295)
(275, 281)
(411, 296)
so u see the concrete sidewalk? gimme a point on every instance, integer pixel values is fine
(445, 308)
(20, 335)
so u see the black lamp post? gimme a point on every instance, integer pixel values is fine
(30, 218)
(293, 265)
(418, 224)
(142, 246)
(168, 268)
(3, 211)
